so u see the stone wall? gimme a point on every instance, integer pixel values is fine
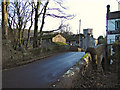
(101, 54)
(98, 56)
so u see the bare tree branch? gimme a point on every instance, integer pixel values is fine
(59, 28)
(69, 17)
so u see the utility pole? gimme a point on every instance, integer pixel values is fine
(79, 30)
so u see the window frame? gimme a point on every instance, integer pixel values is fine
(117, 24)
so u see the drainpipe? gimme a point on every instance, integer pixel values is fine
(107, 18)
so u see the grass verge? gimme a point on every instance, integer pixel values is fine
(61, 43)
(77, 63)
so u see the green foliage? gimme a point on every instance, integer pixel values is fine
(100, 37)
(116, 50)
(85, 56)
(77, 63)
(61, 43)
(116, 46)
(101, 40)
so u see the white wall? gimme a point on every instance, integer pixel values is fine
(111, 24)
(112, 38)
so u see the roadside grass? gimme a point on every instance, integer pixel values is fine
(84, 56)
(61, 43)
(77, 63)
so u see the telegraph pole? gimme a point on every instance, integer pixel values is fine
(79, 30)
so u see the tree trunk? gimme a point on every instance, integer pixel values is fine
(28, 39)
(40, 39)
(35, 30)
(5, 19)
(43, 21)
(35, 39)
(20, 39)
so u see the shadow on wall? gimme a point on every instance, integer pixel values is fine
(103, 63)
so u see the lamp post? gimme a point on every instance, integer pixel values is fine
(79, 30)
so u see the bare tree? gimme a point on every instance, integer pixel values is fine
(20, 13)
(35, 41)
(28, 39)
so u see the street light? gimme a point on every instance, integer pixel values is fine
(79, 30)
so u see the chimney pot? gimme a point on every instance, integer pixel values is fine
(108, 8)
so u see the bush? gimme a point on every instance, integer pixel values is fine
(116, 50)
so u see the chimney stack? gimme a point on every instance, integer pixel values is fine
(108, 8)
(108, 11)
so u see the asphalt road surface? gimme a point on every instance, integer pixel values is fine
(41, 73)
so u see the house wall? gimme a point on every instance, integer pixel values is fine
(58, 38)
(96, 42)
(76, 41)
(111, 37)
(111, 24)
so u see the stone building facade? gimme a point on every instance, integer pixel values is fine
(88, 31)
(88, 40)
(59, 38)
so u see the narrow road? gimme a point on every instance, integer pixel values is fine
(40, 73)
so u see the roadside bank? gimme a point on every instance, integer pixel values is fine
(13, 58)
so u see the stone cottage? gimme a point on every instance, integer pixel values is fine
(59, 38)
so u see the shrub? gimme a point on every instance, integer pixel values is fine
(116, 50)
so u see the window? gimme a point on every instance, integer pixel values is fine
(117, 25)
(117, 37)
